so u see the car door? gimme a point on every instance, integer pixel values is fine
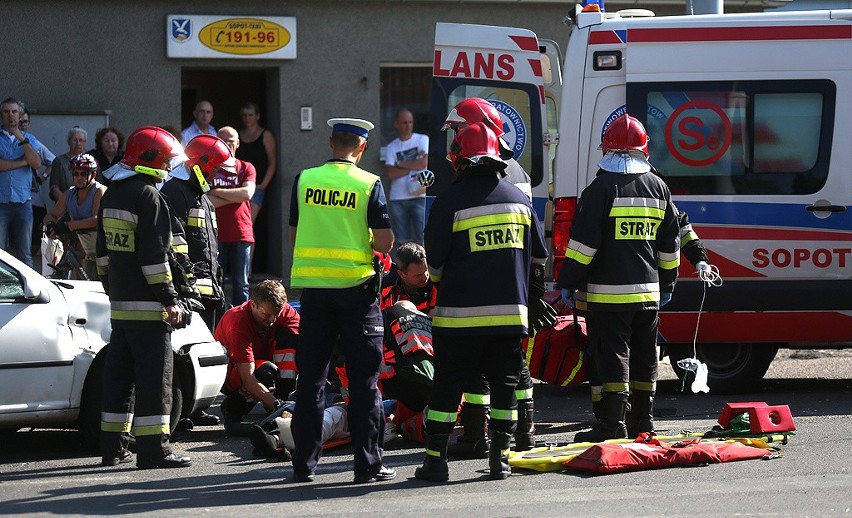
(36, 345)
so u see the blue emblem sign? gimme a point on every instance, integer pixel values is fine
(514, 126)
(181, 29)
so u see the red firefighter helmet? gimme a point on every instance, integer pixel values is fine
(473, 110)
(476, 144)
(209, 152)
(625, 133)
(152, 151)
(84, 162)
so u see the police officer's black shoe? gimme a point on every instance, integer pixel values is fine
(122, 457)
(302, 477)
(171, 460)
(385, 473)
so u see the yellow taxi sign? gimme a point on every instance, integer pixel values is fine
(244, 36)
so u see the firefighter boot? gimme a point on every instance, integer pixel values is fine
(611, 423)
(498, 457)
(435, 468)
(641, 416)
(473, 444)
(525, 432)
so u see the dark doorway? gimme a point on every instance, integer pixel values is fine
(228, 90)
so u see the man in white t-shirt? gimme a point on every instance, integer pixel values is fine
(405, 158)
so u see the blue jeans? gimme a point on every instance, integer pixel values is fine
(408, 218)
(234, 260)
(17, 219)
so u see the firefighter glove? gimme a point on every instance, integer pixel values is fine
(542, 314)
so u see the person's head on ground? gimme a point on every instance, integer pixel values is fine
(109, 141)
(10, 111)
(203, 114)
(348, 138)
(84, 168)
(77, 139)
(404, 123)
(267, 301)
(475, 147)
(250, 114)
(411, 265)
(230, 136)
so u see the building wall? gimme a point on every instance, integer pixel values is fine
(98, 55)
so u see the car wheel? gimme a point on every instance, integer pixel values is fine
(177, 396)
(732, 368)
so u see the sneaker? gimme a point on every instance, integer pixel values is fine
(122, 457)
(385, 473)
(302, 477)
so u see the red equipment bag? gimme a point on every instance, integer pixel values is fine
(557, 354)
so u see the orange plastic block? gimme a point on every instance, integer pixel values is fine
(763, 418)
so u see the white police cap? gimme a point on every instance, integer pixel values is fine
(359, 127)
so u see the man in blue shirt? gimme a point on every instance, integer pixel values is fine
(19, 154)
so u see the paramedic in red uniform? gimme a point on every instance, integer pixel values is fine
(260, 336)
(409, 280)
(621, 265)
(133, 244)
(482, 313)
(338, 218)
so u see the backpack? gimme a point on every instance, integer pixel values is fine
(557, 354)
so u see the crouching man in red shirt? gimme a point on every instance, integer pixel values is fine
(260, 336)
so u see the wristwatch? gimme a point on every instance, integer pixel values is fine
(25, 141)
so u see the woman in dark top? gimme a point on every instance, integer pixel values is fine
(257, 146)
(109, 150)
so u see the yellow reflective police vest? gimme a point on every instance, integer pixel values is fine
(333, 240)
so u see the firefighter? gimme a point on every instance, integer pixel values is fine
(621, 265)
(481, 314)
(338, 217)
(132, 258)
(194, 218)
(474, 413)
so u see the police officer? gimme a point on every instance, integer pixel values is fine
(481, 313)
(338, 217)
(622, 260)
(132, 258)
(474, 413)
(194, 218)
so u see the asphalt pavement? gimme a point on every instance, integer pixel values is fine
(46, 472)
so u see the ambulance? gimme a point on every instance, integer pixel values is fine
(750, 121)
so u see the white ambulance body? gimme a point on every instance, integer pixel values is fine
(750, 120)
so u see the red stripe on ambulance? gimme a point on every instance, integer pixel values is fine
(764, 326)
(792, 32)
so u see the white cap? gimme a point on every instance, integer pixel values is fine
(359, 127)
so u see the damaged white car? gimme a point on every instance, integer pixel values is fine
(54, 335)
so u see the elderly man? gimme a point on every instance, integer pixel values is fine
(203, 115)
(19, 155)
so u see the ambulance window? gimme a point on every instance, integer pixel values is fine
(745, 137)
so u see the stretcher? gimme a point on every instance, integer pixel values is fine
(550, 457)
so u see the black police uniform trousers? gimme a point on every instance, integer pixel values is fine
(139, 361)
(623, 345)
(460, 361)
(353, 316)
